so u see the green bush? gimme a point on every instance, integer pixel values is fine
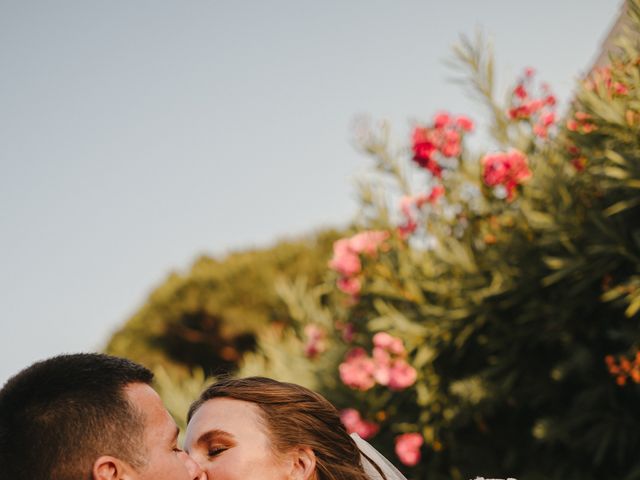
(510, 280)
(208, 318)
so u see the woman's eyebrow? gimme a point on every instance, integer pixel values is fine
(214, 434)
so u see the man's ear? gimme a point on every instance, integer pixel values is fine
(107, 467)
(304, 464)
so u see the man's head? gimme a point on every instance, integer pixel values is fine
(87, 416)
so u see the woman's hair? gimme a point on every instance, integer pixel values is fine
(296, 416)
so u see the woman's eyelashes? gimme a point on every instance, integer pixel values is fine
(214, 451)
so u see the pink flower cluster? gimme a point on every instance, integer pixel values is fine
(354, 423)
(408, 448)
(346, 257)
(387, 366)
(508, 169)
(315, 343)
(409, 204)
(443, 137)
(539, 110)
(601, 77)
(581, 123)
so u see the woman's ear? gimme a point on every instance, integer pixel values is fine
(107, 467)
(304, 464)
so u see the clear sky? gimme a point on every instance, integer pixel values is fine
(136, 135)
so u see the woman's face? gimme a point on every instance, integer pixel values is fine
(228, 439)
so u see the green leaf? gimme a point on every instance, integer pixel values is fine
(621, 206)
(615, 158)
(614, 172)
(633, 307)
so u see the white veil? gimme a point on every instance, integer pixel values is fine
(368, 452)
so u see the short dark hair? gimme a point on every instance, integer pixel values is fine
(59, 415)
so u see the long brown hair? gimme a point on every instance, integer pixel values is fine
(296, 416)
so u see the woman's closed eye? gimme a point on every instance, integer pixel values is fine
(214, 451)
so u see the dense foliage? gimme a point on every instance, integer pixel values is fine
(494, 328)
(209, 317)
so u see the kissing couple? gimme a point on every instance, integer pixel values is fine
(92, 416)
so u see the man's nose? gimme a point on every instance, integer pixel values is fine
(195, 472)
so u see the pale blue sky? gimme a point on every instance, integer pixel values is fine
(135, 135)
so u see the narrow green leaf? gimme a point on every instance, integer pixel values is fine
(621, 206)
(615, 157)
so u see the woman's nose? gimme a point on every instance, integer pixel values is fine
(195, 472)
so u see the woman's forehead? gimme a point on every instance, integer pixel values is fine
(235, 417)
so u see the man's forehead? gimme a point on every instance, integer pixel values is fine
(149, 403)
(142, 394)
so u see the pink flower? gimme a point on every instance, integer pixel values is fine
(407, 202)
(548, 119)
(451, 150)
(349, 285)
(354, 423)
(345, 261)
(434, 167)
(508, 169)
(519, 165)
(408, 448)
(401, 375)
(520, 112)
(535, 105)
(620, 88)
(464, 123)
(525, 110)
(423, 145)
(395, 372)
(540, 130)
(451, 136)
(346, 257)
(382, 366)
(436, 192)
(495, 169)
(315, 344)
(407, 228)
(451, 145)
(528, 106)
(443, 138)
(520, 92)
(357, 370)
(389, 343)
(529, 72)
(442, 119)
(386, 366)
(424, 149)
(368, 242)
